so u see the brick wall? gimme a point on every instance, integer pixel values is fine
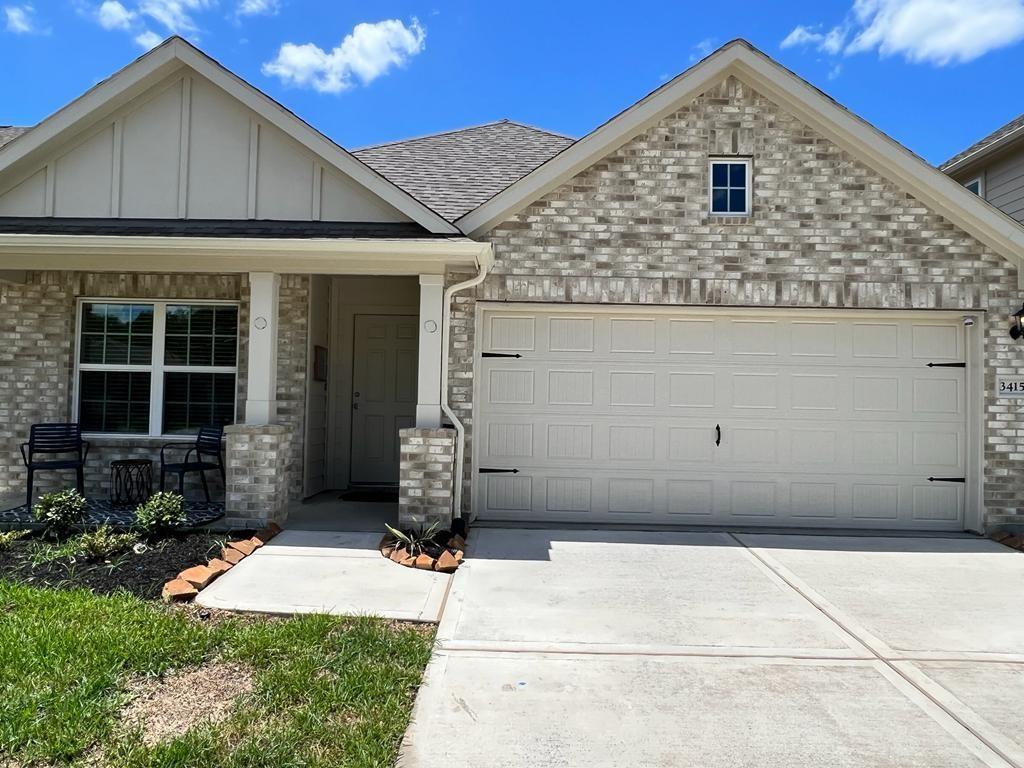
(37, 348)
(826, 231)
(426, 477)
(258, 460)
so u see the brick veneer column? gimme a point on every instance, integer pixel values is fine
(257, 457)
(426, 477)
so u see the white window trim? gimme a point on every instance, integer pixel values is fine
(980, 181)
(749, 203)
(156, 369)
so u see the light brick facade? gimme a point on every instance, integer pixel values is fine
(426, 477)
(37, 350)
(826, 231)
(258, 462)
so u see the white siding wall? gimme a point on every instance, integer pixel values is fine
(187, 149)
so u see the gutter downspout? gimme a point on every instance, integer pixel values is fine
(484, 263)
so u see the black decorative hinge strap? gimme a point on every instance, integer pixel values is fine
(495, 471)
(947, 365)
(947, 479)
(500, 354)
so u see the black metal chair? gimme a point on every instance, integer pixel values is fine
(54, 440)
(207, 444)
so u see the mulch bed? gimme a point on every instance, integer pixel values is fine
(142, 574)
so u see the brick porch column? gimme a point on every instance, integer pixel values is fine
(256, 483)
(426, 477)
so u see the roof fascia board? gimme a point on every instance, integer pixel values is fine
(110, 253)
(312, 140)
(985, 154)
(175, 53)
(99, 101)
(596, 144)
(928, 184)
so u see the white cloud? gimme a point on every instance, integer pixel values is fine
(174, 15)
(938, 32)
(21, 20)
(702, 49)
(365, 54)
(112, 15)
(148, 39)
(258, 7)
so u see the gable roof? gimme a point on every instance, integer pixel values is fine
(9, 133)
(173, 54)
(455, 171)
(814, 108)
(982, 148)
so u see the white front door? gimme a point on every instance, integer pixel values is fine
(383, 393)
(697, 416)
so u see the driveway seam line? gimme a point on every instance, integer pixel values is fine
(889, 664)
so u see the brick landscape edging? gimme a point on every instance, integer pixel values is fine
(190, 581)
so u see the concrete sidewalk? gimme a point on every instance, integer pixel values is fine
(327, 572)
(571, 648)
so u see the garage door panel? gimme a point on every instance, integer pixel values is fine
(823, 420)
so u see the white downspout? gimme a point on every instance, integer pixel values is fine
(484, 262)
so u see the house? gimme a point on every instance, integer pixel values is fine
(734, 303)
(993, 168)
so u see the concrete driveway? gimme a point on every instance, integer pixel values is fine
(573, 648)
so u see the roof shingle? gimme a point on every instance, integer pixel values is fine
(9, 133)
(1017, 124)
(455, 171)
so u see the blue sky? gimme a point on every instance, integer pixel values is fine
(933, 74)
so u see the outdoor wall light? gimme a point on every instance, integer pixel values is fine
(1017, 330)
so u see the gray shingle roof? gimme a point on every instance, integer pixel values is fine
(455, 171)
(1017, 124)
(9, 133)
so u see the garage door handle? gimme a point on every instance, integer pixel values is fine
(718, 434)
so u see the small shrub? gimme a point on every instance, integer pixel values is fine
(414, 542)
(164, 511)
(60, 512)
(7, 538)
(102, 543)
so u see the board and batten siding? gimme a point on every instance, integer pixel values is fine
(189, 150)
(1004, 185)
(827, 231)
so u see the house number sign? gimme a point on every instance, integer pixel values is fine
(1010, 386)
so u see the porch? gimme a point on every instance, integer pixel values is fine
(332, 357)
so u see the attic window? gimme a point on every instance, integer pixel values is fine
(730, 187)
(974, 185)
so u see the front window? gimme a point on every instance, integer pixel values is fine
(730, 187)
(156, 368)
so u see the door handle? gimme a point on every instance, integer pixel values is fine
(718, 434)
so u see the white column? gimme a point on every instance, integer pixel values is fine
(261, 396)
(428, 401)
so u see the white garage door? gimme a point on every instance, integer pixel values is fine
(703, 417)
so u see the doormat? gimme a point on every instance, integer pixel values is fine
(382, 495)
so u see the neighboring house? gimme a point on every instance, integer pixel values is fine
(994, 168)
(733, 303)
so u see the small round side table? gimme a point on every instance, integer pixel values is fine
(131, 481)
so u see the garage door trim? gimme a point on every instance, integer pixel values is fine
(973, 357)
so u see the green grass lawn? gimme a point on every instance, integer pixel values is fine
(327, 691)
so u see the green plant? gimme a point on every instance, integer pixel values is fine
(7, 538)
(102, 543)
(60, 512)
(414, 541)
(162, 512)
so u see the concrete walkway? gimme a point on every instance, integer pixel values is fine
(572, 648)
(327, 572)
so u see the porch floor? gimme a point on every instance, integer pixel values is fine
(102, 512)
(327, 511)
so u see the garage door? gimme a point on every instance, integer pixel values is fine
(700, 417)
